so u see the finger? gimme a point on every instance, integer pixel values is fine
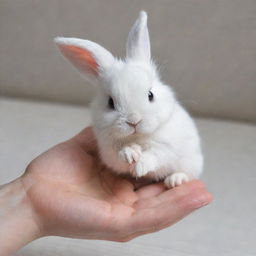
(150, 191)
(130, 237)
(124, 191)
(167, 196)
(184, 189)
(156, 218)
(121, 188)
(138, 183)
(86, 139)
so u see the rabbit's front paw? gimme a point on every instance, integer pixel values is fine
(142, 167)
(176, 179)
(131, 153)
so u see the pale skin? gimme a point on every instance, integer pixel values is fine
(67, 192)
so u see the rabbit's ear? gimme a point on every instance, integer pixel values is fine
(138, 43)
(88, 57)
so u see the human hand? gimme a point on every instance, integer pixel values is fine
(75, 196)
(70, 193)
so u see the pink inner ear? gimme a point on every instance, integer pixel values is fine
(80, 57)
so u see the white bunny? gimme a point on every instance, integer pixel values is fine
(140, 126)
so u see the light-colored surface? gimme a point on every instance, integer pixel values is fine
(226, 227)
(206, 49)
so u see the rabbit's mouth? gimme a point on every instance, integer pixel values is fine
(135, 131)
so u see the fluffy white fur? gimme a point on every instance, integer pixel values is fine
(155, 139)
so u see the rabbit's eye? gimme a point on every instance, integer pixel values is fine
(150, 96)
(111, 104)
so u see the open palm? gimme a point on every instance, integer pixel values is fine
(74, 195)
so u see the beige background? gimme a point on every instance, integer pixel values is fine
(206, 49)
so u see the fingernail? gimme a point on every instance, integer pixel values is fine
(202, 199)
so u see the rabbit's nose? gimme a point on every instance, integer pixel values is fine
(133, 119)
(131, 124)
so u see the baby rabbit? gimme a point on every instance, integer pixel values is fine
(140, 126)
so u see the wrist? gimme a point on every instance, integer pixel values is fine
(17, 218)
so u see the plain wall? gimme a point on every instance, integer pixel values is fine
(206, 49)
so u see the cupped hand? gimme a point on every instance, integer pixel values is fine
(72, 194)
